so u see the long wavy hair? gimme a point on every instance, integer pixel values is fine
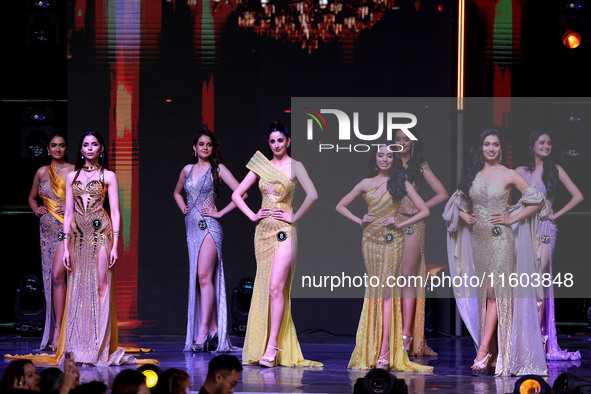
(474, 162)
(80, 161)
(278, 126)
(215, 159)
(414, 171)
(396, 176)
(550, 172)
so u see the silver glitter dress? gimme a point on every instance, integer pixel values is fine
(201, 195)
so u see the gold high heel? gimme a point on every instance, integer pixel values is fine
(409, 339)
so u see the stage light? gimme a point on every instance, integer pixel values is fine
(241, 297)
(572, 39)
(380, 381)
(152, 374)
(568, 383)
(29, 305)
(531, 384)
(322, 3)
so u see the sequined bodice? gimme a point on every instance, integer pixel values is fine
(45, 190)
(487, 198)
(88, 198)
(277, 193)
(200, 193)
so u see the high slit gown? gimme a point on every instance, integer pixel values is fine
(382, 254)
(418, 347)
(277, 193)
(52, 191)
(200, 194)
(548, 233)
(500, 252)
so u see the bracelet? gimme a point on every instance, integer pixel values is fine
(116, 234)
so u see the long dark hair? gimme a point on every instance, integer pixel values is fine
(15, 371)
(278, 126)
(474, 162)
(215, 159)
(550, 172)
(80, 161)
(414, 169)
(396, 176)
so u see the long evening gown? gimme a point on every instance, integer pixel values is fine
(200, 194)
(418, 346)
(498, 250)
(90, 330)
(277, 193)
(52, 191)
(382, 253)
(548, 232)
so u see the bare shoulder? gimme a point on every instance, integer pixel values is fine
(42, 171)
(521, 170)
(110, 176)
(560, 169)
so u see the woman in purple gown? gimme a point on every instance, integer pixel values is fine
(542, 173)
(207, 326)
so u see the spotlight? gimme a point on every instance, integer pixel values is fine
(29, 305)
(241, 297)
(152, 374)
(532, 384)
(568, 383)
(380, 381)
(572, 39)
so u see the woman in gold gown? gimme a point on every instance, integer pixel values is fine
(270, 333)
(417, 172)
(379, 335)
(488, 240)
(49, 184)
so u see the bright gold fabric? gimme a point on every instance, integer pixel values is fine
(382, 253)
(277, 192)
(58, 185)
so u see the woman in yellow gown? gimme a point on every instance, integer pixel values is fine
(379, 334)
(270, 333)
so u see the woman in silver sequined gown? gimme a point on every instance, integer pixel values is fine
(501, 245)
(544, 175)
(207, 317)
(49, 185)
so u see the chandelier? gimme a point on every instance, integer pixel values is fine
(310, 23)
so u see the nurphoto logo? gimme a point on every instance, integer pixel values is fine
(388, 123)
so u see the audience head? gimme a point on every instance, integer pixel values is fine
(222, 374)
(20, 374)
(130, 381)
(51, 380)
(173, 381)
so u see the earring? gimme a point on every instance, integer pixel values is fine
(501, 157)
(375, 168)
(82, 154)
(412, 150)
(195, 153)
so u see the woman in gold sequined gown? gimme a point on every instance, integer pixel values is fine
(417, 171)
(270, 333)
(49, 184)
(478, 210)
(379, 334)
(89, 327)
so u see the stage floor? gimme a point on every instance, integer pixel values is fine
(451, 374)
